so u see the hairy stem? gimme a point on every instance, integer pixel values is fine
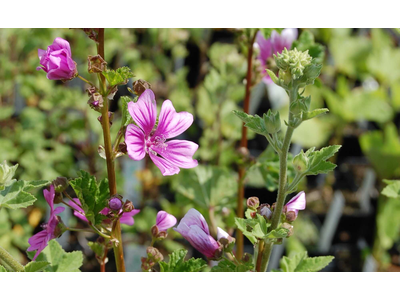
(280, 201)
(116, 232)
(243, 143)
(9, 262)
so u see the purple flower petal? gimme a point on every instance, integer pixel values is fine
(179, 153)
(49, 196)
(165, 167)
(135, 142)
(192, 217)
(221, 234)
(144, 111)
(202, 241)
(171, 123)
(79, 213)
(164, 220)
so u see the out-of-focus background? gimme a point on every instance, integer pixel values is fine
(49, 130)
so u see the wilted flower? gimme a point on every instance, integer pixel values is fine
(126, 218)
(193, 227)
(57, 61)
(168, 156)
(275, 44)
(164, 220)
(51, 230)
(297, 203)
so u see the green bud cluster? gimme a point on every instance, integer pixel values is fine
(293, 62)
(272, 121)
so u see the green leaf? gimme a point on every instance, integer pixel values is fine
(206, 185)
(177, 263)
(35, 184)
(254, 123)
(229, 266)
(317, 160)
(307, 115)
(126, 116)
(6, 173)
(14, 197)
(255, 229)
(277, 233)
(392, 190)
(92, 196)
(36, 266)
(302, 263)
(2, 269)
(58, 259)
(119, 76)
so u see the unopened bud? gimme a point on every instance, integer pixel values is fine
(161, 235)
(128, 206)
(154, 254)
(253, 214)
(244, 152)
(291, 216)
(60, 184)
(272, 121)
(264, 211)
(154, 231)
(300, 162)
(58, 198)
(122, 148)
(115, 204)
(110, 118)
(246, 257)
(140, 85)
(96, 102)
(253, 203)
(96, 64)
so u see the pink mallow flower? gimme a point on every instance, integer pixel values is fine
(144, 138)
(164, 221)
(57, 61)
(51, 230)
(297, 203)
(193, 227)
(126, 218)
(275, 44)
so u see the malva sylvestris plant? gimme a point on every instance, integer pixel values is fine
(142, 133)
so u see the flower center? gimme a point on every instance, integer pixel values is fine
(155, 142)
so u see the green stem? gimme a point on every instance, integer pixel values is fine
(9, 262)
(116, 229)
(276, 216)
(85, 80)
(80, 230)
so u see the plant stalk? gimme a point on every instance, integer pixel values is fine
(116, 232)
(243, 143)
(9, 262)
(280, 201)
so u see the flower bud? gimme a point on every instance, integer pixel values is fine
(96, 64)
(128, 206)
(154, 231)
(153, 254)
(96, 102)
(272, 121)
(246, 257)
(60, 184)
(115, 204)
(140, 85)
(253, 203)
(110, 118)
(58, 197)
(264, 211)
(291, 216)
(300, 162)
(293, 62)
(161, 235)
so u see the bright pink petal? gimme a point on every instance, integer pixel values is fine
(165, 167)
(265, 47)
(127, 217)
(164, 220)
(144, 111)
(59, 44)
(135, 142)
(179, 153)
(171, 123)
(38, 242)
(78, 212)
(59, 210)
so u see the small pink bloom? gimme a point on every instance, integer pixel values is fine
(144, 138)
(40, 240)
(164, 220)
(275, 44)
(126, 218)
(194, 228)
(297, 203)
(57, 61)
